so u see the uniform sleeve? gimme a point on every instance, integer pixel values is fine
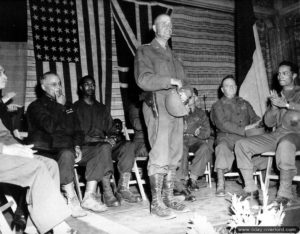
(223, 123)
(253, 116)
(78, 136)
(271, 117)
(39, 116)
(134, 118)
(145, 75)
(5, 116)
(205, 126)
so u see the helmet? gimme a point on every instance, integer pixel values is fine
(291, 120)
(174, 104)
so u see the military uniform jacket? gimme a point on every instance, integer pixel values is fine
(52, 125)
(154, 67)
(231, 116)
(286, 119)
(195, 120)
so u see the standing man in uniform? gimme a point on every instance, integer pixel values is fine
(284, 114)
(232, 116)
(159, 71)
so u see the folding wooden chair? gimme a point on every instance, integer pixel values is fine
(269, 176)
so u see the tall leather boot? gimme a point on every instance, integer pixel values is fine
(123, 189)
(285, 194)
(108, 196)
(220, 183)
(168, 196)
(157, 206)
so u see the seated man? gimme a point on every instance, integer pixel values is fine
(284, 114)
(140, 131)
(97, 124)
(53, 126)
(195, 136)
(20, 167)
(232, 116)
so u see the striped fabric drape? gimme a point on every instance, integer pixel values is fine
(204, 39)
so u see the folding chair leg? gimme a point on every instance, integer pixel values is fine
(77, 185)
(208, 175)
(4, 227)
(139, 181)
(267, 179)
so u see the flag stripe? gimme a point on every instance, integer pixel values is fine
(103, 49)
(60, 73)
(124, 32)
(46, 67)
(52, 67)
(98, 65)
(73, 75)
(137, 22)
(66, 77)
(81, 32)
(108, 46)
(94, 57)
(87, 34)
(124, 25)
(144, 25)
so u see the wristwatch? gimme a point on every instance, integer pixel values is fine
(287, 105)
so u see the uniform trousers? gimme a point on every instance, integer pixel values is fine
(94, 158)
(46, 205)
(283, 142)
(202, 155)
(165, 135)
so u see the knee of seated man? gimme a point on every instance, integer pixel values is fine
(67, 155)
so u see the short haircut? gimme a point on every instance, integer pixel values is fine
(45, 75)
(227, 77)
(294, 68)
(84, 79)
(158, 18)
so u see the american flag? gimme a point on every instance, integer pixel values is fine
(73, 38)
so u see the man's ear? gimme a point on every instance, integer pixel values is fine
(43, 87)
(154, 28)
(294, 76)
(222, 89)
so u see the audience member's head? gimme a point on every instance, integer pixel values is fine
(228, 86)
(287, 73)
(51, 84)
(86, 86)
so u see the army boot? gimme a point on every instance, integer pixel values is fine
(220, 183)
(123, 189)
(108, 196)
(168, 196)
(157, 206)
